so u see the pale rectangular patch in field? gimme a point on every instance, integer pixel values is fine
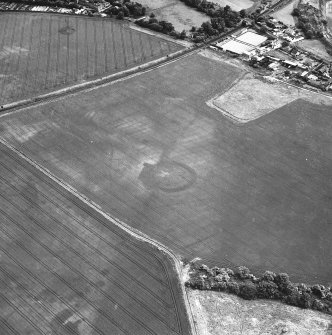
(252, 98)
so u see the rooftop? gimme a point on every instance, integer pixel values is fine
(235, 47)
(252, 38)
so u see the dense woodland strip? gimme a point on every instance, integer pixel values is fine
(269, 286)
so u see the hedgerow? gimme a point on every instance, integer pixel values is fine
(269, 285)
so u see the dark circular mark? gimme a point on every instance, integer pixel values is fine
(168, 176)
(67, 30)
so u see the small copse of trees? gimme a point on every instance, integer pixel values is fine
(125, 8)
(164, 27)
(310, 20)
(221, 18)
(268, 286)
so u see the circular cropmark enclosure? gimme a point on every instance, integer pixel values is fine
(168, 176)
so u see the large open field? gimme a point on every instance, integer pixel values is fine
(151, 152)
(65, 269)
(285, 13)
(316, 47)
(180, 15)
(329, 14)
(236, 4)
(39, 52)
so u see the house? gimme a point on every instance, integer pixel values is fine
(274, 66)
(302, 66)
(290, 64)
(312, 77)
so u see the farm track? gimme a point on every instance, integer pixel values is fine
(15, 232)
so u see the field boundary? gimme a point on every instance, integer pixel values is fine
(96, 83)
(211, 103)
(241, 121)
(126, 23)
(131, 231)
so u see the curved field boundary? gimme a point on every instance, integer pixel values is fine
(133, 232)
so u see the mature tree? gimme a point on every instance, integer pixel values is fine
(285, 44)
(183, 35)
(120, 15)
(242, 272)
(268, 290)
(295, 12)
(243, 13)
(248, 291)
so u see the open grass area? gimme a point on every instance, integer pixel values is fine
(285, 13)
(180, 15)
(223, 314)
(41, 52)
(235, 4)
(252, 98)
(65, 269)
(151, 152)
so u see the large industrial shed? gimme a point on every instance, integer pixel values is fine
(243, 43)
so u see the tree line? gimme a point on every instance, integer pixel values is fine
(269, 286)
(221, 18)
(162, 26)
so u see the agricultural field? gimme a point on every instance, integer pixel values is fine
(66, 269)
(152, 153)
(180, 15)
(329, 14)
(236, 4)
(316, 47)
(41, 52)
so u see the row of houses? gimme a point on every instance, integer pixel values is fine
(280, 30)
(308, 73)
(275, 51)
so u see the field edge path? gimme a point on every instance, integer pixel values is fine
(105, 80)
